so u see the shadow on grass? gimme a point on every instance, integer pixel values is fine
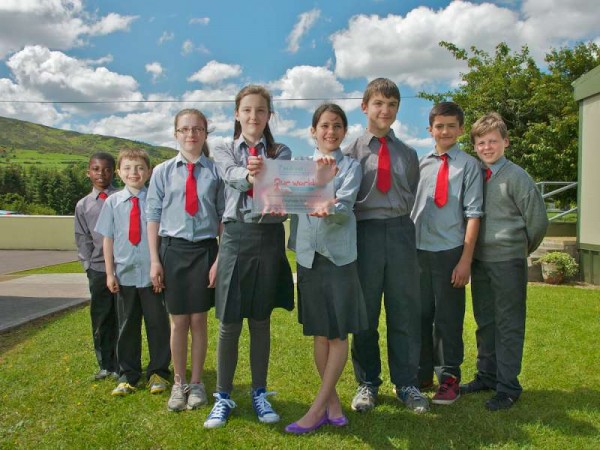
(15, 336)
(465, 424)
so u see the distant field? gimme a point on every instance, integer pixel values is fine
(34, 157)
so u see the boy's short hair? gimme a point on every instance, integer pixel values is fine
(447, 109)
(104, 156)
(383, 86)
(133, 153)
(490, 122)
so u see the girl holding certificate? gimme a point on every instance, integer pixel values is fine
(253, 274)
(330, 300)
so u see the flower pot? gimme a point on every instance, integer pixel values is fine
(551, 273)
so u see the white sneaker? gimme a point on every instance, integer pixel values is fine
(178, 399)
(196, 396)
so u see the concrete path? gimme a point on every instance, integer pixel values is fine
(26, 298)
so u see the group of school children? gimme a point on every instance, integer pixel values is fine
(406, 233)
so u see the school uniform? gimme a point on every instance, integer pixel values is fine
(135, 299)
(103, 310)
(330, 299)
(387, 262)
(250, 283)
(188, 244)
(440, 234)
(514, 225)
(253, 273)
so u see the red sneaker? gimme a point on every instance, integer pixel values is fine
(448, 392)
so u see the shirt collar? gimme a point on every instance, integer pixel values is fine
(179, 159)
(368, 136)
(497, 165)
(452, 152)
(124, 195)
(240, 142)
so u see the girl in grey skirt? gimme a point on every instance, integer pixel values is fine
(330, 301)
(253, 274)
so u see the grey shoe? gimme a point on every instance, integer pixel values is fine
(102, 374)
(365, 398)
(196, 396)
(413, 399)
(178, 399)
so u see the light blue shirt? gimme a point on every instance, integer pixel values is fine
(439, 229)
(132, 262)
(333, 236)
(232, 159)
(166, 199)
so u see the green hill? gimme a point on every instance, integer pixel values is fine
(24, 142)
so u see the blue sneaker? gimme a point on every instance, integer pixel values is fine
(262, 407)
(220, 411)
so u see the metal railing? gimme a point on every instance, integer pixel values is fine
(564, 186)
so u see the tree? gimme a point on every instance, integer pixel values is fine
(537, 105)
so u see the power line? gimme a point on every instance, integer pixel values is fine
(104, 102)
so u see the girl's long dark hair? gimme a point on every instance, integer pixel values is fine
(272, 146)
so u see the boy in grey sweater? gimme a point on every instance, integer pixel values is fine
(514, 225)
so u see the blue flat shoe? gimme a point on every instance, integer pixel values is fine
(294, 428)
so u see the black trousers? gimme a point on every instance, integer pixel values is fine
(133, 304)
(103, 313)
(499, 292)
(387, 265)
(442, 316)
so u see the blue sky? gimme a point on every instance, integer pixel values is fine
(163, 56)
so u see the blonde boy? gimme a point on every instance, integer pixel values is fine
(514, 225)
(122, 222)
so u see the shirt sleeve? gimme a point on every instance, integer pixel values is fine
(83, 237)
(105, 224)
(155, 195)
(473, 191)
(234, 173)
(533, 210)
(346, 194)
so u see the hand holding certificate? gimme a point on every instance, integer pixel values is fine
(295, 187)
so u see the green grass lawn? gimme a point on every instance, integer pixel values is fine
(48, 400)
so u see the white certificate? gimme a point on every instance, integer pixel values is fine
(294, 187)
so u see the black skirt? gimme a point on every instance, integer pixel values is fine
(253, 273)
(186, 265)
(330, 299)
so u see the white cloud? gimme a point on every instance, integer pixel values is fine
(45, 114)
(188, 47)
(200, 20)
(215, 72)
(155, 69)
(305, 22)
(58, 77)
(111, 23)
(100, 61)
(59, 24)
(312, 82)
(166, 36)
(406, 48)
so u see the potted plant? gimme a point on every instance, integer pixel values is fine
(557, 267)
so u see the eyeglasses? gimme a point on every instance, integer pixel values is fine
(193, 130)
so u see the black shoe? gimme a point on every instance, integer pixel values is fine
(474, 386)
(500, 401)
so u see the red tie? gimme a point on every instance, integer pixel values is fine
(441, 186)
(135, 227)
(488, 174)
(191, 194)
(103, 195)
(384, 167)
(253, 152)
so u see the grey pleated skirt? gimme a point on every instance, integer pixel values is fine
(186, 265)
(330, 299)
(253, 273)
